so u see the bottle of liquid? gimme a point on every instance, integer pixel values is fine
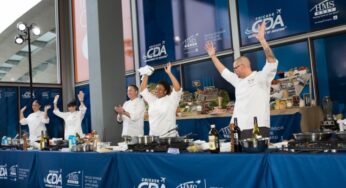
(46, 139)
(255, 131)
(42, 141)
(214, 146)
(231, 128)
(237, 136)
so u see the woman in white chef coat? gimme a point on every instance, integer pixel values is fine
(131, 113)
(36, 120)
(162, 105)
(73, 118)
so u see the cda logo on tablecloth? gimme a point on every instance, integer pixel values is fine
(53, 179)
(152, 183)
(3, 172)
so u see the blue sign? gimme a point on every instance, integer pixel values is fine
(283, 18)
(174, 29)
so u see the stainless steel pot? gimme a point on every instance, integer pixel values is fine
(147, 139)
(130, 139)
(313, 136)
(253, 145)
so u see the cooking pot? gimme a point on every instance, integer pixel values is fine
(147, 139)
(341, 135)
(129, 140)
(313, 136)
(254, 145)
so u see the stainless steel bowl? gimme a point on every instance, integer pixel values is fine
(253, 145)
(341, 135)
(130, 139)
(313, 136)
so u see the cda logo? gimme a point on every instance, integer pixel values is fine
(53, 179)
(3, 172)
(152, 183)
(155, 52)
(73, 178)
(274, 23)
(27, 95)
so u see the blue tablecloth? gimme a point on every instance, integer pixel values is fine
(282, 127)
(161, 170)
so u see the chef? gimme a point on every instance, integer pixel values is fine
(132, 113)
(73, 118)
(252, 88)
(162, 105)
(36, 120)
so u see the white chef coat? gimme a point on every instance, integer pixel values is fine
(73, 121)
(162, 112)
(133, 126)
(252, 96)
(36, 122)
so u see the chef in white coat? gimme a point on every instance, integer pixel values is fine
(73, 118)
(252, 88)
(162, 105)
(36, 120)
(132, 113)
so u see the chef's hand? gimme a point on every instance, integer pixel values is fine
(261, 32)
(81, 96)
(23, 109)
(119, 109)
(47, 107)
(56, 98)
(209, 47)
(168, 68)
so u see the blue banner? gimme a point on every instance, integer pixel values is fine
(191, 170)
(174, 29)
(17, 169)
(9, 120)
(87, 170)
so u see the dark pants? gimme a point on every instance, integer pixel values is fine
(247, 133)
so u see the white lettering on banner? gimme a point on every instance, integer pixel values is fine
(27, 95)
(325, 11)
(193, 184)
(53, 179)
(13, 173)
(156, 52)
(3, 172)
(152, 183)
(274, 23)
(73, 178)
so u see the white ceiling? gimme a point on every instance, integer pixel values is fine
(14, 63)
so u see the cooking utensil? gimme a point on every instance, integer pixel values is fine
(174, 129)
(147, 139)
(313, 136)
(130, 139)
(253, 145)
(341, 135)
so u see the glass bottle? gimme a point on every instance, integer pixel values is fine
(255, 131)
(214, 145)
(237, 136)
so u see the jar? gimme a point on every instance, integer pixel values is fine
(289, 103)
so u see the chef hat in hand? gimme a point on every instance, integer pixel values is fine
(146, 70)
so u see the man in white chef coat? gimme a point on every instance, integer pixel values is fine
(252, 88)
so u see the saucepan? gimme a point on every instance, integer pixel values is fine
(313, 136)
(254, 145)
(147, 139)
